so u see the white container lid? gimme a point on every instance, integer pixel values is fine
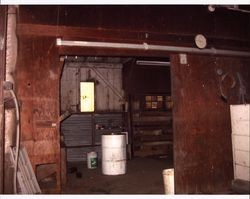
(113, 141)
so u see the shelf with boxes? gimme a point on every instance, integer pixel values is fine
(152, 125)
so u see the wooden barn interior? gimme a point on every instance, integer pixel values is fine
(165, 78)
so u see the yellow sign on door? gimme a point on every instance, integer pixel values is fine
(87, 96)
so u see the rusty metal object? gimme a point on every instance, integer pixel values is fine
(223, 77)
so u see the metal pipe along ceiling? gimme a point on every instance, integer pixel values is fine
(149, 47)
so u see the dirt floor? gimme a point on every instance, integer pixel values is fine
(144, 176)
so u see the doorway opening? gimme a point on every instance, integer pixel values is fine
(131, 95)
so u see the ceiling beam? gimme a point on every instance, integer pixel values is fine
(125, 36)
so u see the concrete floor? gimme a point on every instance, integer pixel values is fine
(144, 176)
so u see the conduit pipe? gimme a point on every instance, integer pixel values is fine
(17, 139)
(10, 115)
(212, 8)
(149, 47)
(11, 57)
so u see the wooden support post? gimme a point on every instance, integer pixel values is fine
(3, 30)
(63, 167)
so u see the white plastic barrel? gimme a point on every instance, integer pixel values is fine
(114, 154)
(168, 179)
(92, 160)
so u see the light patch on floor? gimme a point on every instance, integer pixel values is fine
(144, 176)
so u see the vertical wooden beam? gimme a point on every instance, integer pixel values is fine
(3, 29)
(63, 167)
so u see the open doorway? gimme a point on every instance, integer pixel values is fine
(131, 95)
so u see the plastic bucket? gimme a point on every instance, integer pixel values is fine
(168, 179)
(92, 160)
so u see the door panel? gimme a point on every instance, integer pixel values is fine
(201, 121)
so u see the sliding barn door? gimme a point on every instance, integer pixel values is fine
(203, 87)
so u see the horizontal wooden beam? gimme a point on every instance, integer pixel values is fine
(125, 36)
(100, 34)
(82, 51)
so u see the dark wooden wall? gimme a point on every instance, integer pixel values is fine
(202, 128)
(3, 30)
(146, 79)
(164, 19)
(154, 24)
(202, 146)
(37, 79)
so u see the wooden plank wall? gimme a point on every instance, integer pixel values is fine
(153, 79)
(3, 30)
(154, 24)
(105, 98)
(37, 77)
(202, 130)
(199, 169)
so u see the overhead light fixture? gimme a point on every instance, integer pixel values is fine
(152, 63)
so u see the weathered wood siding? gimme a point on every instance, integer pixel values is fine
(202, 129)
(202, 152)
(105, 98)
(37, 79)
